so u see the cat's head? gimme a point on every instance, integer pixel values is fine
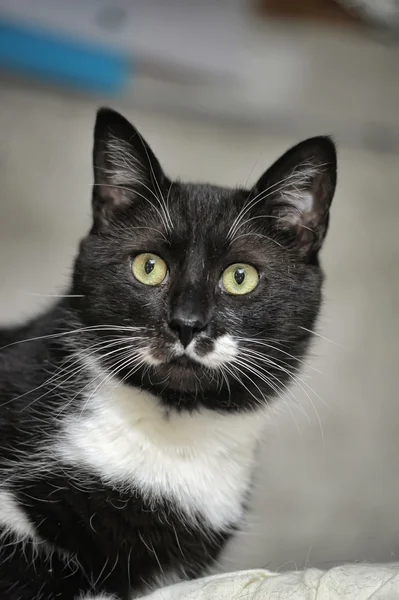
(203, 294)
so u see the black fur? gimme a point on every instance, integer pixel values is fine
(117, 541)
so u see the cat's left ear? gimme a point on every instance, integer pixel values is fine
(296, 194)
(125, 168)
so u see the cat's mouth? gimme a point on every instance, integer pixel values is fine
(183, 362)
(180, 365)
(203, 351)
(193, 366)
(183, 373)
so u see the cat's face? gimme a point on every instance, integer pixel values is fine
(203, 294)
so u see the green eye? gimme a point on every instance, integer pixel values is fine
(149, 269)
(239, 279)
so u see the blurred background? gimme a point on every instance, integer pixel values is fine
(220, 88)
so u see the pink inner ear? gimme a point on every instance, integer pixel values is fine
(125, 168)
(123, 172)
(302, 196)
(305, 204)
(302, 206)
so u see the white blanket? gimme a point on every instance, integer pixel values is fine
(349, 582)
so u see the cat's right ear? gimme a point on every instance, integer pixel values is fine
(125, 168)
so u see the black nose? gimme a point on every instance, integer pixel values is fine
(186, 329)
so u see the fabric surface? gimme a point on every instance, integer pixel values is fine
(349, 582)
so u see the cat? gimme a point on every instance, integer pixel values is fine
(131, 411)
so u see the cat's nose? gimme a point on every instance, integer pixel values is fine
(186, 329)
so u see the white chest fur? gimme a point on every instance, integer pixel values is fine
(202, 462)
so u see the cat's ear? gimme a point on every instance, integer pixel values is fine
(297, 192)
(125, 168)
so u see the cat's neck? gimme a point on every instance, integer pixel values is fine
(202, 461)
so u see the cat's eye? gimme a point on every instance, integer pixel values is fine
(149, 269)
(239, 279)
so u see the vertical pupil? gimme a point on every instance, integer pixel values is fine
(149, 265)
(239, 276)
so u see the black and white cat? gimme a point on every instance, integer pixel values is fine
(131, 411)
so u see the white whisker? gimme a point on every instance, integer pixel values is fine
(161, 199)
(137, 193)
(266, 344)
(324, 338)
(297, 381)
(53, 295)
(301, 175)
(90, 328)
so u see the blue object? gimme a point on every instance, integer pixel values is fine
(54, 57)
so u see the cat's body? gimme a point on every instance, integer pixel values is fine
(130, 413)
